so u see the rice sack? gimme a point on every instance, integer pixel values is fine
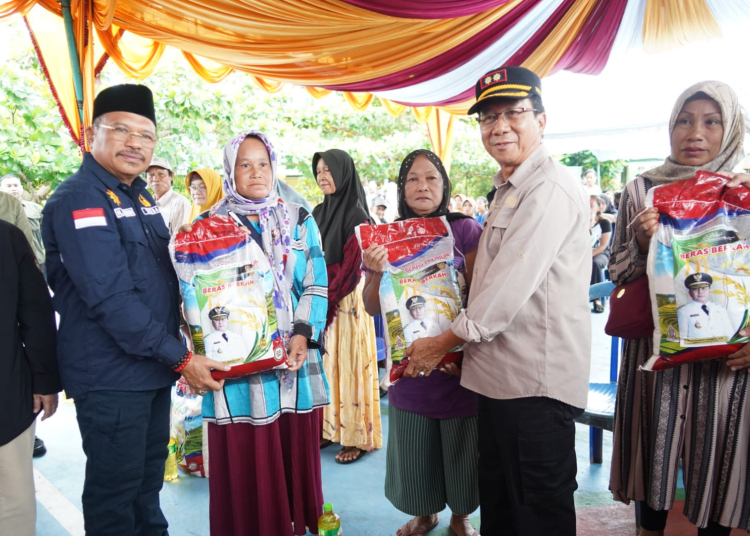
(699, 270)
(227, 288)
(419, 292)
(187, 429)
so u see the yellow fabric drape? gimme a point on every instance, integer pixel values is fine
(208, 70)
(318, 92)
(393, 108)
(421, 114)
(269, 86)
(16, 7)
(440, 128)
(135, 56)
(668, 24)
(359, 101)
(320, 43)
(46, 30)
(557, 42)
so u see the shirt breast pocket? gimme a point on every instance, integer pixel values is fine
(135, 244)
(499, 226)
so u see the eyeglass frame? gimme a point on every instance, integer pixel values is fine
(197, 188)
(518, 109)
(143, 138)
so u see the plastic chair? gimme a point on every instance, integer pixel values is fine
(600, 411)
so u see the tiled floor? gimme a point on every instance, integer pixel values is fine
(356, 490)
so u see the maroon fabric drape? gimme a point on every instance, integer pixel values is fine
(590, 51)
(519, 57)
(444, 62)
(427, 9)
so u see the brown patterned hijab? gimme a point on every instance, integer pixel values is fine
(731, 151)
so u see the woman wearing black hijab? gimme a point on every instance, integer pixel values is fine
(432, 456)
(353, 417)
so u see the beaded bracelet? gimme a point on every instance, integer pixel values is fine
(182, 363)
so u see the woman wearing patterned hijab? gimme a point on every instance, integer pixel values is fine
(262, 432)
(432, 456)
(696, 413)
(353, 417)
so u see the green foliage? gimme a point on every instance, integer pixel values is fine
(610, 171)
(33, 139)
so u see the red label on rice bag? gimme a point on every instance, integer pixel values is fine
(699, 270)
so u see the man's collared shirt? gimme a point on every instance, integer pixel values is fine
(115, 288)
(11, 210)
(175, 209)
(528, 319)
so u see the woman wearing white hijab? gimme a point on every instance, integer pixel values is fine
(262, 433)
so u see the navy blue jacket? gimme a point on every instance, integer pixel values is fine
(114, 285)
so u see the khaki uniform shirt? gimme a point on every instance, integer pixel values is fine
(528, 318)
(175, 209)
(34, 215)
(11, 210)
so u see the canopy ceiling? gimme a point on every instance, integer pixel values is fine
(425, 54)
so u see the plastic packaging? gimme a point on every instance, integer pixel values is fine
(699, 270)
(419, 291)
(187, 429)
(227, 288)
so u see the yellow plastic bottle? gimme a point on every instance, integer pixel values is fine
(170, 467)
(329, 524)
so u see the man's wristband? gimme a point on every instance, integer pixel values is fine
(182, 363)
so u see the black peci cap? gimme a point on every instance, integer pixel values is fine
(132, 98)
(506, 82)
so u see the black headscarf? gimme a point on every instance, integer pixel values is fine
(404, 212)
(343, 210)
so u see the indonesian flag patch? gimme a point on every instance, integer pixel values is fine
(89, 217)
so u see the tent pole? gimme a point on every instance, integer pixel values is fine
(73, 52)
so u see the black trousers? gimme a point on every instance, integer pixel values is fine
(527, 467)
(125, 436)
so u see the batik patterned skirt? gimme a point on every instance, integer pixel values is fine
(695, 413)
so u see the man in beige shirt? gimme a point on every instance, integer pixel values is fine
(10, 184)
(527, 325)
(174, 207)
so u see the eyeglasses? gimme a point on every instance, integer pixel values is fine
(197, 189)
(510, 116)
(123, 134)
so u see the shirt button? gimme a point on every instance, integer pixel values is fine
(520, 255)
(684, 386)
(682, 417)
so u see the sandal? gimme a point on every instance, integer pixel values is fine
(351, 460)
(598, 308)
(415, 529)
(468, 529)
(325, 443)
